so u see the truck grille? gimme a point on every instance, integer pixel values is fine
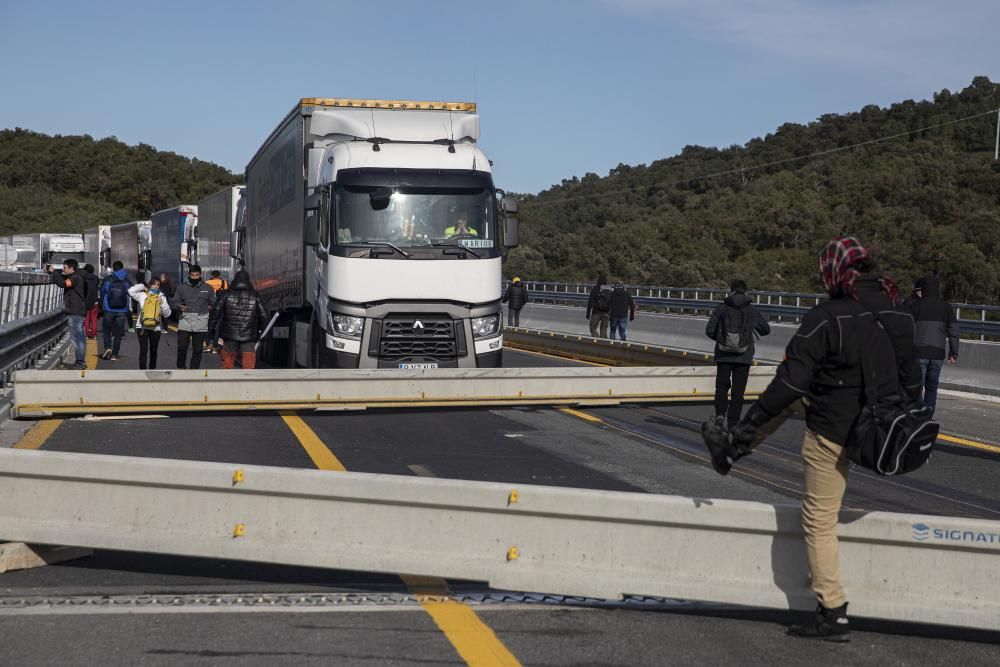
(411, 336)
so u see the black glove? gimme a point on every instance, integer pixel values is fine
(588, 314)
(744, 432)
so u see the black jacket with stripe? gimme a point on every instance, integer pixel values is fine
(823, 360)
(935, 321)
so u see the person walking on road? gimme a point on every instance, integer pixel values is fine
(937, 335)
(238, 317)
(516, 297)
(153, 311)
(733, 326)
(823, 366)
(193, 300)
(599, 307)
(622, 310)
(93, 284)
(217, 283)
(115, 303)
(75, 305)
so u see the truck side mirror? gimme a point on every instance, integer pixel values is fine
(312, 228)
(509, 205)
(510, 231)
(236, 244)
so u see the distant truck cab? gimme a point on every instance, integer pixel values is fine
(375, 231)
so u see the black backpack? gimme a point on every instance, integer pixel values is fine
(117, 293)
(603, 303)
(892, 435)
(735, 331)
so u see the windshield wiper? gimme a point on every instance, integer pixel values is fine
(385, 244)
(457, 245)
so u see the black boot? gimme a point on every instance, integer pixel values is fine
(716, 436)
(828, 624)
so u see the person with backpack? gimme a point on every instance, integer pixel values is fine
(194, 301)
(859, 324)
(153, 310)
(115, 303)
(937, 335)
(515, 297)
(733, 326)
(238, 317)
(599, 307)
(622, 310)
(93, 285)
(75, 306)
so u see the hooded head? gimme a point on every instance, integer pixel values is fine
(842, 261)
(602, 280)
(241, 281)
(930, 287)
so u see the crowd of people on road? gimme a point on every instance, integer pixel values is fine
(208, 314)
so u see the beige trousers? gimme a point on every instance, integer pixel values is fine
(826, 467)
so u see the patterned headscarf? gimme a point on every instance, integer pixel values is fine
(837, 262)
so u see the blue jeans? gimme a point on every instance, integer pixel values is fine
(619, 325)
(114, 330)
(79, 338)
(930, 370)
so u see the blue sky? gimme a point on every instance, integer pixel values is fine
(564, 88)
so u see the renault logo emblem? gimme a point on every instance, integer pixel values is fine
(418, 325)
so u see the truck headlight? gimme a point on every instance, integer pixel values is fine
(345, 325)
(484, 327)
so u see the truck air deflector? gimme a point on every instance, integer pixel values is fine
(414, 178)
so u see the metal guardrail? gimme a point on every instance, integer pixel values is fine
(775, 305)
(32, 320)
(560, 541)
(45, 393)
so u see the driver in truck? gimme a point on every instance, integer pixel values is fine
(460, 228)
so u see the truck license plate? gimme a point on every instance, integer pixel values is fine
(418, 366)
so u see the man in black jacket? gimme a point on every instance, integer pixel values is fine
(75, 305)
(622, 310)
(822, 368)
(237, 319)
(733, 326)
(599, 307)
(937, 333)
(515, 298)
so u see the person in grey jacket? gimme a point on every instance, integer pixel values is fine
(936, 334)
(193, 301)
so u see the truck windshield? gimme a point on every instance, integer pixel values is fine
(410, 217)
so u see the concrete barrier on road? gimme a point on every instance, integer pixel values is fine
(978, 369)
(46, 393)
(559, 541)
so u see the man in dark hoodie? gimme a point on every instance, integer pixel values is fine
(236, 320)
(936, 334)
(115, 302)
(733, 326)
(599, 307)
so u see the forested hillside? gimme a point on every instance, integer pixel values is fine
(926, 196)
(69, 183)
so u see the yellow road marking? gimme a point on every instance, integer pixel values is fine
(320, 454)
(968, 443)
(582, 415)
(38, 434)
(524, 350)
(91, 355)
(474, 641)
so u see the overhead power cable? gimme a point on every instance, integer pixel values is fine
(755, 167)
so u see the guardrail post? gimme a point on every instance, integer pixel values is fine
(982, 318)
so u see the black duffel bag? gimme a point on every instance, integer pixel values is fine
(891, 436)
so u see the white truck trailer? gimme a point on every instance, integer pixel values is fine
(218, 215)
(375, 231)
(174, 239)
(34, 251)
(97, 248)
(130, 246)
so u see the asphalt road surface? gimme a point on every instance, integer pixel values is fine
(171, 610)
